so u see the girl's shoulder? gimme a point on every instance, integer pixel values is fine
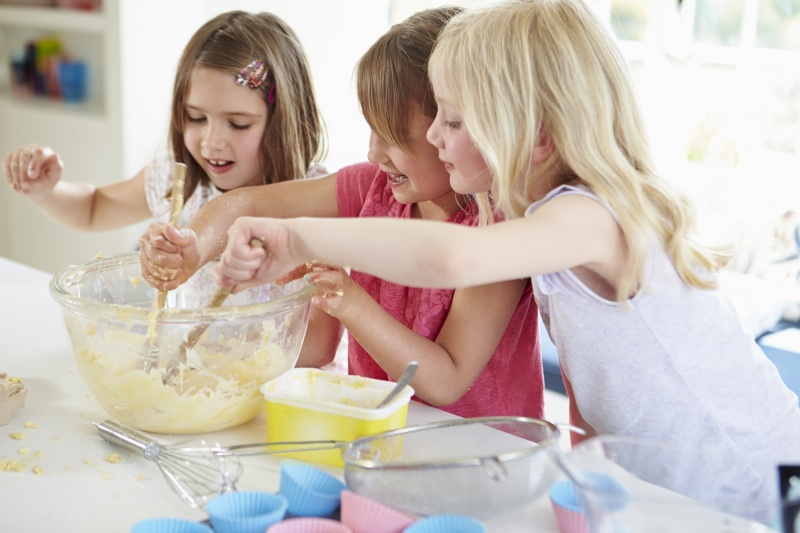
(562, 190)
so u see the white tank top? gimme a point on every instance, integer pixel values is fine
(676, 366)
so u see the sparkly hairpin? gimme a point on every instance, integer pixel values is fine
(253, 74)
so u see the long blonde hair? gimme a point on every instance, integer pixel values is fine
(294, 138)
(523, 67)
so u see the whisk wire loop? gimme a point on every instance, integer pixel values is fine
(195, 477)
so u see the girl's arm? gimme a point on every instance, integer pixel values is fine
(567, 232)
(448, 365)
(322, 338)
(85, 207)
(35, 172)
(170, 256)
(575, 417)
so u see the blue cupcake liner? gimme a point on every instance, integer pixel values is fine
(309, 491)
(246, 512)
(605, 488)
(169, 525)
(446, 523)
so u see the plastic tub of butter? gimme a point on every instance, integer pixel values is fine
(308, 404)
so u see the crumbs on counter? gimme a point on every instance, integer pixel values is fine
(114, 458)
(38, 470)
(31, 425)
(98, 256)
(6, 465)
(88, 462)
(18, 435)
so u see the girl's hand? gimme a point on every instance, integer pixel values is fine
(32, 170)
(244, 265)
(335, 288)
(168, 255)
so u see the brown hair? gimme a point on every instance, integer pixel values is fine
(295, 134)
(394, 72)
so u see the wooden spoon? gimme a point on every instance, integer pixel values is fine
(175, 207)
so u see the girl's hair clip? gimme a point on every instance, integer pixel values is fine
(253, 74)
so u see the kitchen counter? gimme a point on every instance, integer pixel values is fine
(75, 488)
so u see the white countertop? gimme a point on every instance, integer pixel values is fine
(77, 489)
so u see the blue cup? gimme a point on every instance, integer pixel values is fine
(72, 76)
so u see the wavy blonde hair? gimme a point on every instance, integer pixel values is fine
(518, 68)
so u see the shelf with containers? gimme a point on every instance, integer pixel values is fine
(131, 48)
(82, 39)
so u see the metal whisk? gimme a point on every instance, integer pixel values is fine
(195, 477)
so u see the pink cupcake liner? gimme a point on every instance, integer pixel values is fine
(309, 525)
(365, 515)
(569, 511)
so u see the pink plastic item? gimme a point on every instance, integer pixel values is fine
(570, 515)
(309, 525)
(365, 515)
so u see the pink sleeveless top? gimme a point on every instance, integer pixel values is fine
(512, 382)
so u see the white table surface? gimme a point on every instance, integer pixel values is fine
(77, 489)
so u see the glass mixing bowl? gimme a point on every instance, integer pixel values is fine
(137, 362)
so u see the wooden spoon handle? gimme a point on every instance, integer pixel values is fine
(175, 207)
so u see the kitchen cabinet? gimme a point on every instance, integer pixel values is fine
(108, 137)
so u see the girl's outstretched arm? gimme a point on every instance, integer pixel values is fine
(35, 172)
(169, 257)
(565, 233)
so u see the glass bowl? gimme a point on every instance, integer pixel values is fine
(673, 488)
(139, 365)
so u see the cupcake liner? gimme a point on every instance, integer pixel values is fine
(169, 525)
(568, 508)
(246, 512)
(446, 523)
(365, 515)
(309, 491)
(569, 505)
(309, 525)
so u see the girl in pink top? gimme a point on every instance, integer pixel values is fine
(477, 347)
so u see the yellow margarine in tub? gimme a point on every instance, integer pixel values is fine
(308, 404)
